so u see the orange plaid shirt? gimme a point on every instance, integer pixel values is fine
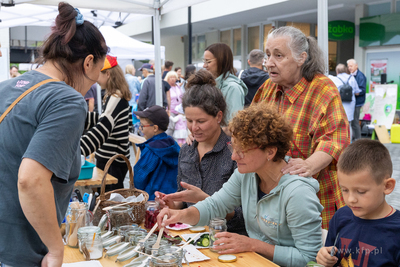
(319, 122)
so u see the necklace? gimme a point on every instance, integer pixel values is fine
(389, 212)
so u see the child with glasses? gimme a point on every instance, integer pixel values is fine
(157, 167)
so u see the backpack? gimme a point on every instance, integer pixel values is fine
(346, 91)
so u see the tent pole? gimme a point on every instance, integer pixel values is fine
(190, 34)
(157, 61)
(323, 31)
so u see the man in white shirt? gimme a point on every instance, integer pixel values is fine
(342, 77)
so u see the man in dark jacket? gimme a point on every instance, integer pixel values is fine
(254, 76)
(147, 97)
(360, 97)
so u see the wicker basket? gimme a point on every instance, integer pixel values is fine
(139, 209)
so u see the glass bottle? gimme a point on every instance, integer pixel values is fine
(152, 210)
(217, 225)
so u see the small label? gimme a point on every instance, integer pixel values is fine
(21, 83)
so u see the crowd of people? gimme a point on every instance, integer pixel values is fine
(268, 149)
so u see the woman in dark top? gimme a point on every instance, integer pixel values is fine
(205, 165)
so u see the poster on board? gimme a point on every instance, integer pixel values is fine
(367, 110)
(378, 67)
(384, 107)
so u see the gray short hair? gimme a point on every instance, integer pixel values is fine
(256, 57)
(352, 60)
(299, 43)
(341, 68)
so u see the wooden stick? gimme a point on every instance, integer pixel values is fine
(150, 232)
(111, 207)
(187, 243)
(160, 233)
(97, 205)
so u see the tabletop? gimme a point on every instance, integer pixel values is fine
(96, 179)
(247, 259)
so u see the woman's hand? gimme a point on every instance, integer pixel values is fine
(172, 217)
(192, 194)
(164, 202)
(298, 166)
(324, 257)
(232, 243)
(190, 216)
(189, 139)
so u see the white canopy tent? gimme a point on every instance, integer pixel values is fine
(149, 7)
(125, 47)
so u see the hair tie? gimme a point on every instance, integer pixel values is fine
(79, 17)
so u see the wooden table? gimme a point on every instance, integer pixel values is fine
(95, 182)
(247, 259)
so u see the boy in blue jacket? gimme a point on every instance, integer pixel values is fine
(366, 231)
(157, 168)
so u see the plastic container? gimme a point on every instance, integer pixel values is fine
(86, 171)
(395, 134)
(217, 225)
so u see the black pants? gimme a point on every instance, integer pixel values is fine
(118, 170)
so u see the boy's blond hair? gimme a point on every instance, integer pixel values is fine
(365, 154)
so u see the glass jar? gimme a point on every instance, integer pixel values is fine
(120, 216)
(88, 232)
(168, 250)
(148, 245)
(152, 238)
(133, 234)
(124, 229)
(152, 210)
(165, 261)
(94, 248)
(77, 217)
(217, 225)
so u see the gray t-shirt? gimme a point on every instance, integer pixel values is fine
(45, 126)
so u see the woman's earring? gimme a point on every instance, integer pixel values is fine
(268, 159)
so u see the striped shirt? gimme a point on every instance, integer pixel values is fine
(319, 124)
(108, 135)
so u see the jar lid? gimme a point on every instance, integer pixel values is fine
(197, 229)
(89, 230)
(227, 258)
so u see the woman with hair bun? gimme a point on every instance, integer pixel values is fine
(39, 141)
(205, 165)
(108, 135)
(299, 89)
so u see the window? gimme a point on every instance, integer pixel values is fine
(201, 45)
(379, 9)
(237, 42)
(194, 47)
(397, 6)
(225, 37)
(304, 27)
(253, 38)
(332, 47)
(267, 29)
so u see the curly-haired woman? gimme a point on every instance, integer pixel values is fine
(281, 211)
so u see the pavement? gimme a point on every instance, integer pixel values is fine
(393, 199)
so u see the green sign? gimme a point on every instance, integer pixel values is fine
(340, 30)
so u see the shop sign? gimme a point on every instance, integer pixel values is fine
(340, 30)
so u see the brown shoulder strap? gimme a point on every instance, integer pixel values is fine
(23, 95)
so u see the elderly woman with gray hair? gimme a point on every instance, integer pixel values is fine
(312, 104)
